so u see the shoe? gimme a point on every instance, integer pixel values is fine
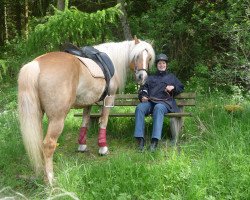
(153, 145)
(140, 141)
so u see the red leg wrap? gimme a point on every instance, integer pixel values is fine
(102, 137)
(82, 135)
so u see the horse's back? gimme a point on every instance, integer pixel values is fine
(57, 61)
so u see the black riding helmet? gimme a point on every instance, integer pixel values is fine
(161, 56)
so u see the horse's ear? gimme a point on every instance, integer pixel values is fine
(136, 40)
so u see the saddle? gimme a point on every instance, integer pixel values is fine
(101, 58)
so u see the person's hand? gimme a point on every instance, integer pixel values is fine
(144, 99)
(169, 88)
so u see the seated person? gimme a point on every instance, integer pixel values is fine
(157, 98)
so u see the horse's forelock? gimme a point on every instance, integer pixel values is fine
(138, 48)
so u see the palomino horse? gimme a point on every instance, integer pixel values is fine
(56, 82)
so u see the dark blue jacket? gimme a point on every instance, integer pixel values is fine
(154, 89)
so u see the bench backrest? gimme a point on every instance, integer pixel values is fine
(183, 99)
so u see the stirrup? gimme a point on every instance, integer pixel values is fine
(104, 102)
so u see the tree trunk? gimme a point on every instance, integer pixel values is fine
(2, 23)
(124, 21)
(26, 18)
(61, 5)
(6, 38)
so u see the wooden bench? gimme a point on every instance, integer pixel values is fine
(131, 100)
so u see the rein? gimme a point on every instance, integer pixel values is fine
(164, 100)
(157, 99)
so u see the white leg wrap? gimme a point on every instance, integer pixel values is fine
(103, 150)
(82, 147)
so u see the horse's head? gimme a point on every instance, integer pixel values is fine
(141, 59)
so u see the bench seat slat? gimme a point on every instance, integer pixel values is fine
(132, 114)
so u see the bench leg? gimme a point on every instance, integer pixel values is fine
(175, 127)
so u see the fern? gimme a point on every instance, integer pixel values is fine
(70, 25)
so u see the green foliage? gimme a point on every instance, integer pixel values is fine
(227, 25)
(8, 97)
(130, 86)
(49, 33)
(213, 34)
(3, 68)
(73, 26)
(198, 82)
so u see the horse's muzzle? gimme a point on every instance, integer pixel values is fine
(141, 76)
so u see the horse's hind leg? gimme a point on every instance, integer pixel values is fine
(55, 128)
(82, 139)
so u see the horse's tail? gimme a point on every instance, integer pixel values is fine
(30, 113)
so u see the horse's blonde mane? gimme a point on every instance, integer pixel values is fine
(122, 54)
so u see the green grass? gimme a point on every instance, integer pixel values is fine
(212, 161)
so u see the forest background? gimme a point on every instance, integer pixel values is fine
(208, 44)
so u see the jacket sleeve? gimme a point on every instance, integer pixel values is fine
(178, 86)
(143, 91)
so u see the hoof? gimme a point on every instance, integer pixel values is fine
(103, 151)
(49, 179)
(82, 148)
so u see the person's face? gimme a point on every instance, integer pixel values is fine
(162, 65)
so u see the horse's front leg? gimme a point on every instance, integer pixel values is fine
(82, 139)
(102, 140)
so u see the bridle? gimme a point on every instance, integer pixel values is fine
(137, 69)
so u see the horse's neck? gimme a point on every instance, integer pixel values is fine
(119, 54)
